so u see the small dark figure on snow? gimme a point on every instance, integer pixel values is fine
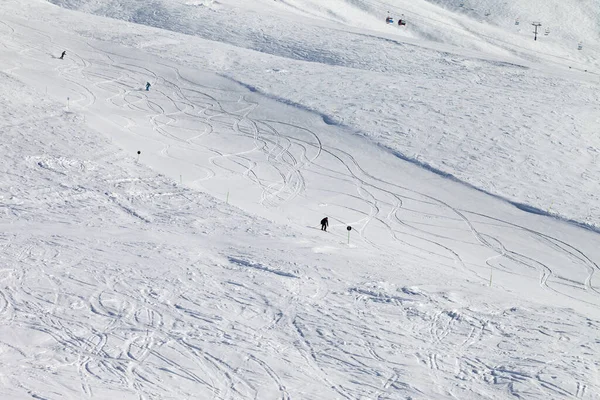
(148, 86)
(324, 224)
(62, 56)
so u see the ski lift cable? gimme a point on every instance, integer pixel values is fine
(423, 19)
(379, 5)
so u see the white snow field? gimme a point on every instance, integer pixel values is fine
(511, 116)
(196, 269)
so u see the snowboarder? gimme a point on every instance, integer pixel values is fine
(401, 22)
(389, 20)
(324, 224)
(148, 86)
(62, 56)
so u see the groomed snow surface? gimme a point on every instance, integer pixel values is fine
(196, 269)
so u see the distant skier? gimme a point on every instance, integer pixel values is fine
(148, 86)
(62, 56)
(324, 224)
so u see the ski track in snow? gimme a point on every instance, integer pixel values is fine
(223, 324)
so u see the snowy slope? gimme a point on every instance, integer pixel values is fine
(435, 104)
(129, 279)
(574, 21)
(482, 25)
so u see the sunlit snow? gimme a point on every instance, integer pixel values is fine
(165, 243)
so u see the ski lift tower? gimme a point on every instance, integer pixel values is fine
(537, 25)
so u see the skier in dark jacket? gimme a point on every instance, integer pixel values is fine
(324, 224)
(63, 55)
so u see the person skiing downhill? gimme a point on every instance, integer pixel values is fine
(324, 224)
(62, 56)
(148, 86)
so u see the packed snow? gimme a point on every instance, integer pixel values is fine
(435, 104)
(165, 243)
